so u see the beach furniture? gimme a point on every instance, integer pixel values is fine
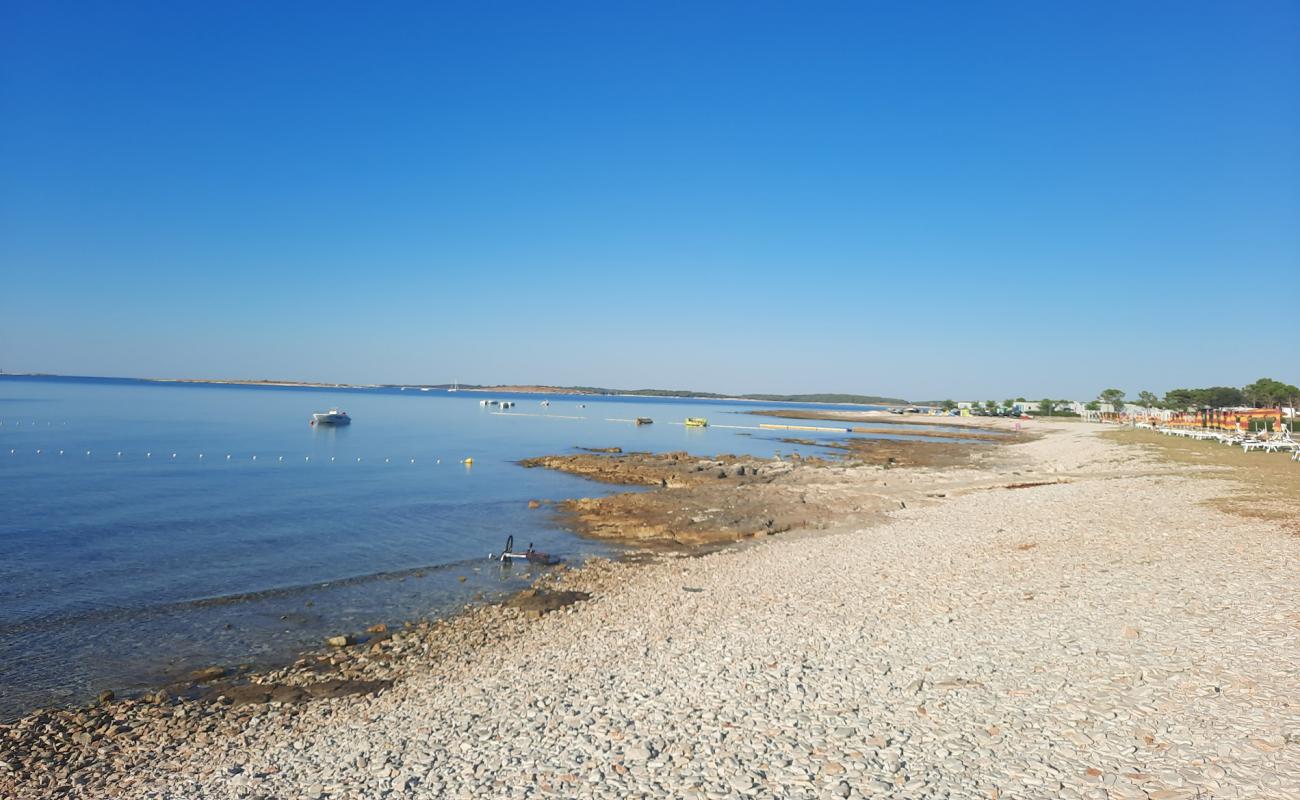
(1279, 440)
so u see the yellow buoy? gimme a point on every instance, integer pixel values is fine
(468, 462)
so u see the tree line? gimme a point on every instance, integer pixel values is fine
(1263, 393)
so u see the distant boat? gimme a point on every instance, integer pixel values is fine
(424, 388)
(455, 387)
(644, 421)
(546, 402)
(697, 422)
(331, 417)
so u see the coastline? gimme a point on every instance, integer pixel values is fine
(726, 513)
(635, 519)
(716, 617)
(523, 389)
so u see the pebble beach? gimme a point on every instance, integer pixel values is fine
(1069, 617)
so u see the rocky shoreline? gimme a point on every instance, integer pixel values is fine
(90, 751)
(1059, 617)
(700, 503)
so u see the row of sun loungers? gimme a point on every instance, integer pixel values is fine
(1278, 441)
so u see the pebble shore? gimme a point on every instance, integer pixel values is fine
(1094, 631)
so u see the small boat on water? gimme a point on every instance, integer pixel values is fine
(530, 555)
(697, 422)
(644, 421)
(331, 417)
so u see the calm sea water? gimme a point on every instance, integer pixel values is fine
(140, 538)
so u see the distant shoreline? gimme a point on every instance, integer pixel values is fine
(533, 389)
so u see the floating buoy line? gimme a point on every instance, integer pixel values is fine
(20, 424)
(233, 458)
(229, 458)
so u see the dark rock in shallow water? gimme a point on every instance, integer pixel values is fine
(537, 602)
(343, 688)
(284, 693)
(207, 674)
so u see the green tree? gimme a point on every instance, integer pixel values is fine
(1046, 406)
(1219, 396)
(1213, 397)
(1113, 396)
(991, 405)
(1092, 405)
(1179, 399)
(1267, 392)
(1148, 400)
(948, 405)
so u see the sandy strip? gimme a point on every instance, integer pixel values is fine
(1106, 634)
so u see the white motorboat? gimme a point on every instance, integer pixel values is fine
(331, 417)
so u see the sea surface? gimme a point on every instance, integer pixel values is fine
(148, 529)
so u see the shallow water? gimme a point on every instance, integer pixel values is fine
(149, 529)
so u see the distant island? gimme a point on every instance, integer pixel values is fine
(856, 399)
(825, 397)
(267, 382)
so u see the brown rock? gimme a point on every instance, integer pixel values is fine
(248, 693)
(539, 602)
(207, 674)
(288, 694)
(343, 688)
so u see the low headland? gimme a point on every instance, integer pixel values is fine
(831, 398)
(1064, 611)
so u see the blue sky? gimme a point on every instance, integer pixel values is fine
(912, 199)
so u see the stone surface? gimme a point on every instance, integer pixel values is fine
(928, 655)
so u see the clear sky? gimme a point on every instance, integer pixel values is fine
(912, 199)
